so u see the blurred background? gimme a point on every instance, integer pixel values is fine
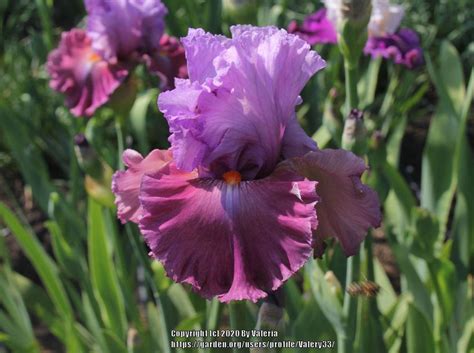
(73, 280)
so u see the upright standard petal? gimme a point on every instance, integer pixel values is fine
(228, 239)
(126, 183)
(403, 48)
(81, 74)
(233, 112)
(123, 28)
(347, 208)
(385, 18)
(315, 29)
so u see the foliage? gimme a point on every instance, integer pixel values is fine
(96, 290)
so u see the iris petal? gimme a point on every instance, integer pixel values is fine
(126, 183)
(347, 208)
(231, 241)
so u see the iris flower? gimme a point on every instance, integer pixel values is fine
(385, 39)
(243, 196)
(82, 74)
(88, 66)
(315, 29)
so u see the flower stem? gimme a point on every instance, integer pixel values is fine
(349, 309)
(120, 144)
(352, 99)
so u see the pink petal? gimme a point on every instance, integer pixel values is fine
(231, 241)
(126, 183)
(85, 78)
(347, 208)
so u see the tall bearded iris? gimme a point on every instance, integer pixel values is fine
(238, 203)
(88, 66)
(83, 75)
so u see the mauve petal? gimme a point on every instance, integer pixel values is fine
(169, 63)
(347, 208)
(315, 29)
(296, 142)
(201, 49)
(121, 27)
(126, 183)
(231, 241)
(402, 48)
(243, 95)
(81, 74)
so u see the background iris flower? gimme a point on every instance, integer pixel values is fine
(89, 65)
(402, 46)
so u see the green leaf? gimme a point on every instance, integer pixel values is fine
(443, 275)
(426, 241)
(451, 74)
(393, 335)
(43, 264)
(328, 302)
(387, 298)
(158, 331)
(138, 116)
(466, 342)
(399, 203)
(32, 164)
(17, 323)
(183, 304)
(419, 332)
(414, 284)
(66, 255)
(103, 275)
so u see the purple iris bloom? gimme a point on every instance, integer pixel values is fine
(403, 47)
(238, 203)
(315, 29)
(82, 74)
(124, 28)
(89, 66)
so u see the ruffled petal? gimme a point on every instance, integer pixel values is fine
(126, 183)
(237, 110)
(231, 241)
(81, 74)
(121, 28)
(202, 49)
(347, 208)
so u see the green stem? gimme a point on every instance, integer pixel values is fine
(349, 309)
(120, 144)
(352, 99)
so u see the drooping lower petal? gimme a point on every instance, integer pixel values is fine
(126, 183)
(231, 240)
(347, 208)
(81, 74)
